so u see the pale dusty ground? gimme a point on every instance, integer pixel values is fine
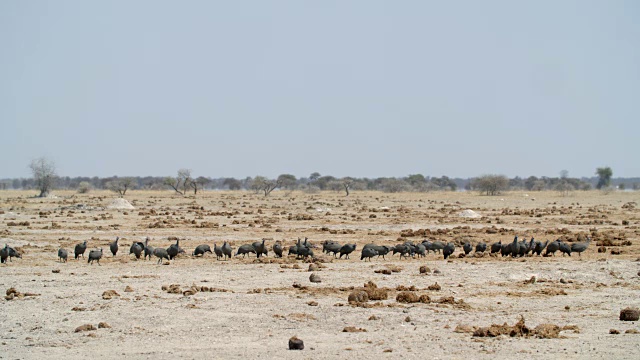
(261, 309)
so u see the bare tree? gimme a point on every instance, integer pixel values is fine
(44, 174)
(120, 186)
(180, 183)
(346, 183)
(199, 184)
(269, 186)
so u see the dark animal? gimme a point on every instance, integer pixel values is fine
(201, 250)
(448, 250)
(496, 247)
(467, 248)
(481, 247)
(333, 247)
(227, 251)
(327, 244)
(538, 247)
(173, 250)
(277, 249)
(565, 248)
(245, 249)
(437, 246)
(114, 247)
(368, 253)
(136, 249)
(403, 249)
(260, 248)
(62, 255)
(381, 250)
(304, 252)
(95, 255)
(161, 254)
(13, 253)
(428, 245)
(148, 250)
(347, 249)
(218, 251)
(420, 250)
(580, 247)
(80, 249)
(4, 254)
(552, 248)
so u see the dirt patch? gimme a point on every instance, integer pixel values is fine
(109, 294)
(353, 329)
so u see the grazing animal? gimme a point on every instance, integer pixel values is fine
(94, 255)
(136, 249)
(173, 250)
(580, 247)
(227, 250)
(403, 249)
(260, 248)
(218, 251)
(552, 248)
(420, 250)
(448, 249)
(4, 254)
(347, 249)
(565, 248)
(62, 255)
(304, 252)
(114, 246)
(245, 249)
(496, 247)
(13, 253)
(80, 249)
(481, 247)
(277, 249)
(428, 245)
(326, 244)
(437, 246)
(505, 249)
(538, 247)
(368, 253)
(334, 248)
(161, 253)
(467, 248)
(148, 250)
(201, 250)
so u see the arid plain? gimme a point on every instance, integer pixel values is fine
(249, 308)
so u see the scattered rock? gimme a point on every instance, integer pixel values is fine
(296, 344)
(353, 329)
(109, 294)
(312, 303)
(407, 297)
(373, 317)
(632, 331)
(56, 271)
(614, 331)
(128, 289)
(407, 319)
(375, 293)
(383, 271)
(629, 314)
(104, 325)
(424, 269)
(313, 267)
(85, 327)
(315, 278)
(358, 296)
(434, 287)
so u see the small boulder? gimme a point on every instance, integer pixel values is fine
(629, 314)
(296, 344)
(85, 327)
(315, 278)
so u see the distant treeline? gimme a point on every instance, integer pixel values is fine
(317, 182)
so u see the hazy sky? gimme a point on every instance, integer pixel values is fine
(344, 88)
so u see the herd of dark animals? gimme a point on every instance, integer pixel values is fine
(304, 250)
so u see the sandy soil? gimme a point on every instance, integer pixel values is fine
(254, 308)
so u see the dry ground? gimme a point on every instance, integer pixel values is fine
(254, 308)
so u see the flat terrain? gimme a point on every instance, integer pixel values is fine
(250, 308)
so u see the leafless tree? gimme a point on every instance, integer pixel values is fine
(44, 174)
(180, 183)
